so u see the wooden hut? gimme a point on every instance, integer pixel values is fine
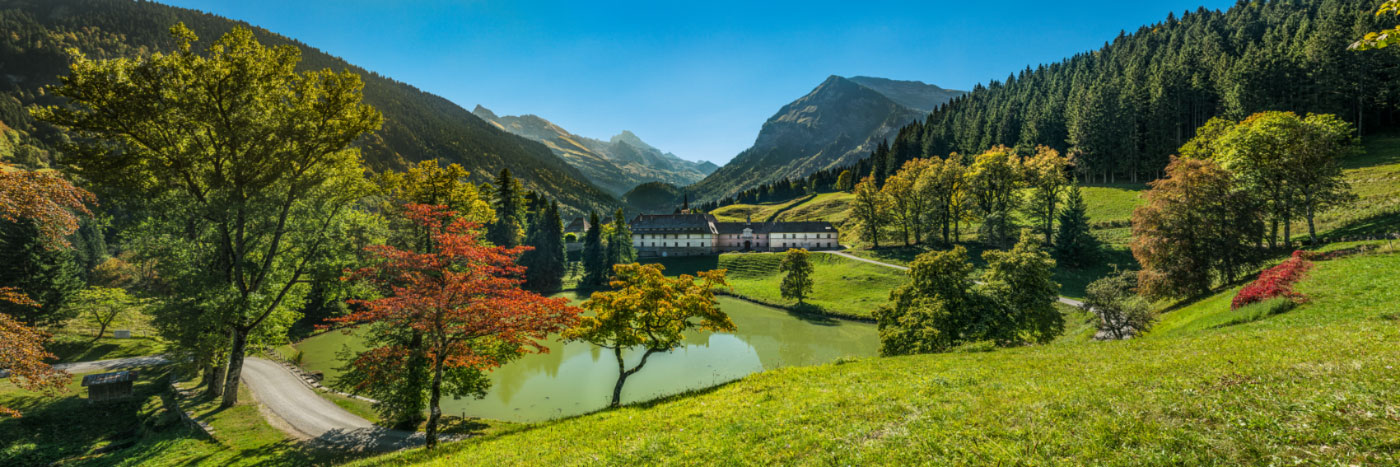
(109, 386)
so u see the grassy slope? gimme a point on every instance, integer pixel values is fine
(73, 341)
(139, 431)
(1259, 392)
(758, 212)
(841, 286)
(1375, 178)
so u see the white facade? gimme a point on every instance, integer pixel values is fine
(806, 240)
(673, 240)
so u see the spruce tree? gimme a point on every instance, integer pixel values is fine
(1074, 245)
(596, 268)
(545, 262)
(48, 276)
(510, 207)
(620, 249)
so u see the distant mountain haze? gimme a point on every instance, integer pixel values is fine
(417, 125)
(836, 124)
(617, 165)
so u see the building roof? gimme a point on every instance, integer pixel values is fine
(674, 224)
(109, 378)
(579, 224)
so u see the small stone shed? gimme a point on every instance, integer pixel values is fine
(109, 386)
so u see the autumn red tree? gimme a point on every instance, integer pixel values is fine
(463, 296)
(52, 204)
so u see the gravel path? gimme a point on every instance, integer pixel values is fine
(314, 418)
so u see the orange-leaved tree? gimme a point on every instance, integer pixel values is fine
(50, 202)
(650, 311)
(462, 295)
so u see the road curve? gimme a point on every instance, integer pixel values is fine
(303, 413)
(319, 420)
(1065, 300)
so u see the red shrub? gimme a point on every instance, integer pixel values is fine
(1274, 282)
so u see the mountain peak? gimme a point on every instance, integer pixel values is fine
(627, 136)
(484, 113)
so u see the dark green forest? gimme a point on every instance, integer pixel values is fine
(1121, 111)
(38, 33)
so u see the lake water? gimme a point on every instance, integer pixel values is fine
(576, 378)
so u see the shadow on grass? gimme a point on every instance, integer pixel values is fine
(76, 348)
(1374, 225)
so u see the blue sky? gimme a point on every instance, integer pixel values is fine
(694, 78)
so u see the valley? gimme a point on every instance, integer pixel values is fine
(262, 233)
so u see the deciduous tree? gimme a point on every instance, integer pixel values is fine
(1121, 312)
(1019, 280)
(993, 184)
(648, 311)
(935, 309)
(1047, 175)
(1196, 227)
(797, 284)
(871, 208)
(1384, 38)
(465, 299)
(102, 305)
(52, 204)
(250, 160)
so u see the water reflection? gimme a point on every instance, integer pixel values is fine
(575, 378)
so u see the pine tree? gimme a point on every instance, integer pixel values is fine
(544, 264)
(1075, 246)
(48, 276)
(596, 268)
(620, 250)
(510, 209)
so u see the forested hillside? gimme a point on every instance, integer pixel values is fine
(1122, 110)
(418, 125)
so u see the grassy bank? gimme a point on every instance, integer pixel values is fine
(842, 286)
(1252, 393)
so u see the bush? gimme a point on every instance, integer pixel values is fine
(1120, 311)
(1274, 282)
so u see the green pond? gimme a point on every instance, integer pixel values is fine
(576, 378)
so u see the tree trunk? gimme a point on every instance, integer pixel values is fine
(946, 229)
(235, 367)
(1288, 227)
(434, 409)
(622, 375)
(1273, 233)
(1312, 229)
(216, 380)
(102, 330)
